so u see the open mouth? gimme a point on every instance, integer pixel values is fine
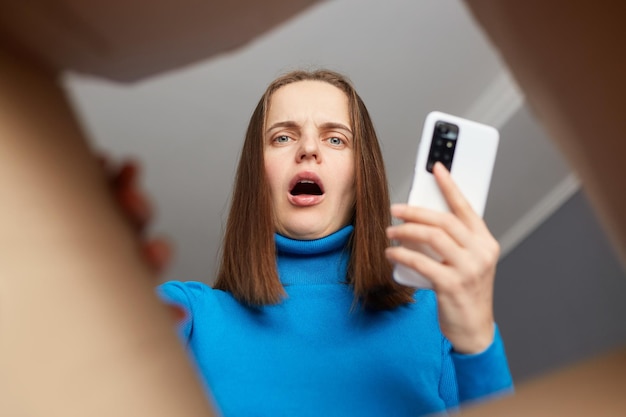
(306, 187)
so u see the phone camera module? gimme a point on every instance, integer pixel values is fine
(442, 145)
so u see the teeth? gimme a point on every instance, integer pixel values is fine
(307, 182)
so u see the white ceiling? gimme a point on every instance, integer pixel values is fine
(405, 57)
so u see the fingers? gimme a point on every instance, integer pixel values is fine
(157, 253)
(447, 222)
(445, 234)
(127, 174)
(124, 181)
(176, 312)
(423, 264)
(421, 237)
(457, 253)
(456, 200)
(135, 205)
(461, 223)
(430, 251)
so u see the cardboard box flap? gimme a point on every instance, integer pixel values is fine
(594, 387)
(131, 39)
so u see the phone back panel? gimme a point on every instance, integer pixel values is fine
(471, 168)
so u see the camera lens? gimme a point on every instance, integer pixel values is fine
(443, 144)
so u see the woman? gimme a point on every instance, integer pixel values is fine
(304, 318)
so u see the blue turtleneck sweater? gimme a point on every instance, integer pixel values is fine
(315, 355)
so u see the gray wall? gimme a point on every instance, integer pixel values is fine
(560, 295)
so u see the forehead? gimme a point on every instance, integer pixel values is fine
(309, 99)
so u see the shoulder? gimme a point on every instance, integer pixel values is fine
(185, 293)
(193, 294)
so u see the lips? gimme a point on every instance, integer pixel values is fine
(306, 189)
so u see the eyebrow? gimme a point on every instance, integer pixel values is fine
(327, 125)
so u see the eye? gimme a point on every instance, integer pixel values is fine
(282, 139)
(335, 141)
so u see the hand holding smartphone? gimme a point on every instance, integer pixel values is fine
(468, 150)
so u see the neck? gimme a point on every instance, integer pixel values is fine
(314, 262)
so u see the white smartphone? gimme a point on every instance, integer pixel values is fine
(468, 149)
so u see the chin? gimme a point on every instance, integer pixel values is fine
(307, 232)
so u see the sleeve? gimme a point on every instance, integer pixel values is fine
(483, 374)
(176, 293)
(448, 387)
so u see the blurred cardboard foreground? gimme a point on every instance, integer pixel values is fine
(593, 388)
(568, 58)
(127, 40)
(566, 55)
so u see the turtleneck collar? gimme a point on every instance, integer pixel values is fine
(313, 262)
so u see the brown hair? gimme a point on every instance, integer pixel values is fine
(248, 267)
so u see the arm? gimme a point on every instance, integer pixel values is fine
(464, 278)
(467, 378)
(463, 281)
(484, 374)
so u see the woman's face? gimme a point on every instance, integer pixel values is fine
(309, 159)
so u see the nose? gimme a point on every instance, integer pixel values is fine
(309, 149)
